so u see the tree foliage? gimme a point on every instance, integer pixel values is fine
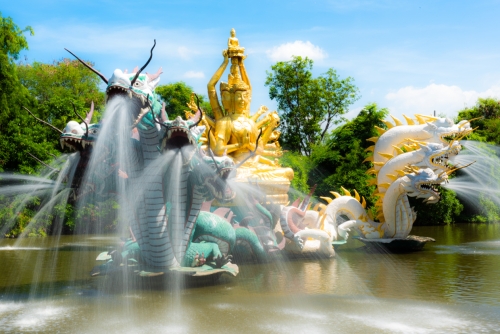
(54, 91)
(309, 107)
(12, 94)
(176, 96)
(301, 166)
(448, 210)
(339, 161)
(12, 40)
(486, 115)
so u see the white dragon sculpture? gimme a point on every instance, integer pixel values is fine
(429, 130)
(408, 161)
(398, 214)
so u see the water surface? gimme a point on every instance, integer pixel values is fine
(450, 286)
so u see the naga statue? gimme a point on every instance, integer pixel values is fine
(172, 233)
(79, 139)
(398, 215)
(408, 161)
(429, 130)
(177, 228)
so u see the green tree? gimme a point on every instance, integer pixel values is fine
(447, 211)
(13, 95)
(301, 166)
(12, 40)
(339, 161)
(486, 115)
(58, 89)
(309, 107)
(176, 96)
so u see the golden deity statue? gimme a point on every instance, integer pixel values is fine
(234, 132)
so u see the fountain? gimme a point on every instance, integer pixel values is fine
(201, 197)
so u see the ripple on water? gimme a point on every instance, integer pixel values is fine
(37, 316)
(471, 248)
(15, 248)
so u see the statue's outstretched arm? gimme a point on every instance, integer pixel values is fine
(262, 110)
(243, 72)
(212, 92)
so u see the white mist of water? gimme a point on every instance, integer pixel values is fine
(22, 189)
(105, 177)
(479, 179)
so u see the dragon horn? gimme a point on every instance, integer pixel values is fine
(46, 123)
(77, 114)
(455, 169)
(88, 118)
(43, 163)
(458, 139)
(156, 75)
(199, 114)
(89, 67)
(139, 72)
(470, 120)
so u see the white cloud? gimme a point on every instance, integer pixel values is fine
(126, 41)
(183, 52)
(194, 74)
(441, 98)
(298, 48)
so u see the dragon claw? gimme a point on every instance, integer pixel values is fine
(221, 260)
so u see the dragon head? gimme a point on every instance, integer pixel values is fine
(78, 136)
(139, 87)
(436, 156)
(217, 171)
(180, 133)
(224, 166)
(141, 94)
(444, 130)
(420, 183)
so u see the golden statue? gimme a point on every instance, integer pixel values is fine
(233, 46)
(234, 132)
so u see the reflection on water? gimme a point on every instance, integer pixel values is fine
(451, 286)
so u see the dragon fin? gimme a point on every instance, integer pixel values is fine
(409, 120)
(388, 124)
(346, 192)
(386, 155)
(392, 177)
(385, 185)
(327, 199)
(400, 151)
(380, 130)
(356, 196)
(397, 121)
(369, 159)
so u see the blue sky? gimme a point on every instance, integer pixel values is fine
(409, 56)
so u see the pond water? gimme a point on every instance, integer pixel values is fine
(450, 286)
